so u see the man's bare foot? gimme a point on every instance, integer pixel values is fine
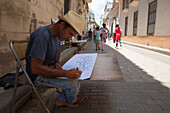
(65, 103)
(73, 105)
(82, 100)
(61, 103)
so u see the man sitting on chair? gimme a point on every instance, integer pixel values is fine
(42, 58)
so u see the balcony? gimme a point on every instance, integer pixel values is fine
(125, 8)
(134, 3)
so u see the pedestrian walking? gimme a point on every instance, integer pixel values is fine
(97, 39)
(120, 41)
(83, 36)
(117, 35)
(42, 58)
(104, 35)
(108, 35)
(94, 35)
(90, 35)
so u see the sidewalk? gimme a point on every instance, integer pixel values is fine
(137, 96)
(156, 49)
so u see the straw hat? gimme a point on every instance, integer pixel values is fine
(74, 19)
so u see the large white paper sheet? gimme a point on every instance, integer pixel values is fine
(85, 63)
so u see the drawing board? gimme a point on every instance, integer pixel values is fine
(85, 63)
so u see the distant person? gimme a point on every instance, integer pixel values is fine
(83, 36)
(104, 35)
(97, 39)
(78, 37)
(94, 34)
(90, 35)
(108, 35)
(120, 42)
(117, 35)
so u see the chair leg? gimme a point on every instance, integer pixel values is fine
(57, 90)
(15, 90)
(34, 89)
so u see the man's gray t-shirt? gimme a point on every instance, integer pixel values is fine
(42, 45)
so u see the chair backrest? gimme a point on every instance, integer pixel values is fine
(19, 47)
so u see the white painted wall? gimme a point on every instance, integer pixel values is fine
(122, 18)
(142, 18)
(130, 21)
(162, 26)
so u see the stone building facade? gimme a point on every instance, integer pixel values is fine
(143, 21)
(110, 18)
(19, 18)
(146, 22)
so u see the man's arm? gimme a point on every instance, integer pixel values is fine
(38, 68)
(58, 55)
(57, 64)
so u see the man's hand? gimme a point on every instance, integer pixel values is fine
(58, 66)
(73, 73)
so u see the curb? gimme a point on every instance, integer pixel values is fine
(155, 49)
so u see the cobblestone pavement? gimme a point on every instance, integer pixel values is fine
(140, 92)
(122, 97)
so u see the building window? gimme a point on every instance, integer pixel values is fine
(126, 25)
(151, 17)
(66, 6)
(135, 23)
(125, 4)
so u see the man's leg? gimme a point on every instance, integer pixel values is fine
(70, 91)
(70, 87)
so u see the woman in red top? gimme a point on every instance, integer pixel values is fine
(117, 35)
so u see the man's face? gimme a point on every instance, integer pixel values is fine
(67, 33)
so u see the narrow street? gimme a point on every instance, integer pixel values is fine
(37, 37)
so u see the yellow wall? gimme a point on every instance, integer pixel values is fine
(18, 18)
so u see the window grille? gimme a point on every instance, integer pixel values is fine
(126, 25)
(135, 22)
(125, 4)
(151, 17)
(66, 6)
